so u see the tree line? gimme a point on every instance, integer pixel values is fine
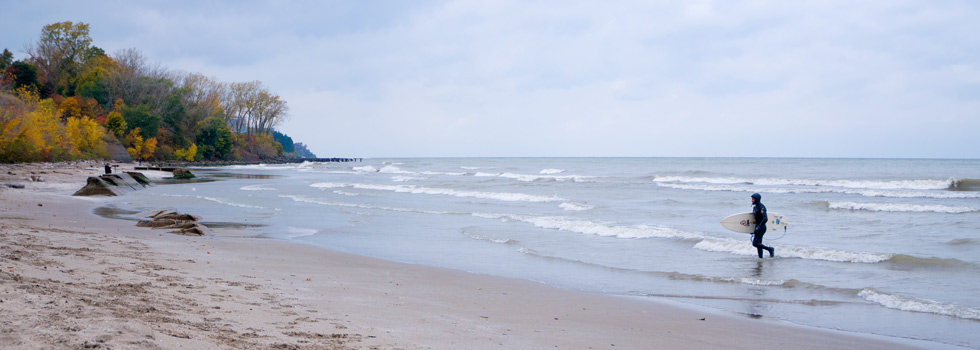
(71, 100)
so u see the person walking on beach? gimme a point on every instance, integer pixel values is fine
(761, 217)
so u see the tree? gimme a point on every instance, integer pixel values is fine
(59, 54)
(188, 153)
(6, 59)
(140, 117)
(22, 75)
(94, 80)
(116, 124)
(214, 140)
(285, 141)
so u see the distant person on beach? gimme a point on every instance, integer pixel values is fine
(761, 217)
(108, 169)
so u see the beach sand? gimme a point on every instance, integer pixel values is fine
(71, 280)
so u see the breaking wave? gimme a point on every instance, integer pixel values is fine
(897, 302)
(862, 192)
(902, 208)
(501, 196)
(742, 247)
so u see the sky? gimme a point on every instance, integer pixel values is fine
(501, 78)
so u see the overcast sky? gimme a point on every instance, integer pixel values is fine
(820, 78)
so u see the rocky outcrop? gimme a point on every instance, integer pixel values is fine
(184, 224)
(114, 184)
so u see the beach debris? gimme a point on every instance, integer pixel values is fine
(17, 186)
(114, 184)
(184, 224)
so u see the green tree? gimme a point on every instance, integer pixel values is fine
(173, 114)
(6, 59)
(141, 117)
(285, 141)
(214, 140)
(23, 75)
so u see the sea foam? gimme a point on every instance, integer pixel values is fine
(501, 196)
(743, 247)
(919, 305)
(898, 207)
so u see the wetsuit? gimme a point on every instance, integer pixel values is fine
(759, 211)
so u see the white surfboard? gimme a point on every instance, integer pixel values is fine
(745, 222)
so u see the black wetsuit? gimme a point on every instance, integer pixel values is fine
(761, 218)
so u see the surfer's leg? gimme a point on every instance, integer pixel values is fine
(757, 243)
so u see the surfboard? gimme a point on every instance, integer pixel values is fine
(745, 222)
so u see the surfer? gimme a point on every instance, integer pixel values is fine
(759, 211)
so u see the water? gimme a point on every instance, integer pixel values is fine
(882, 246)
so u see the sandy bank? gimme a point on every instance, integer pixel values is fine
(71, 279)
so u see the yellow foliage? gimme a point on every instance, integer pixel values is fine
(188, 153)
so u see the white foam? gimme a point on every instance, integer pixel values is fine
(360, 206)
(898, 207)
(744, 247)
(256, 188)
(365, 169)
(219, 201)
(919, 305)
(562, 223)
(537, 177)
(402, 178)
(552, 171)
(865, 192)
(856, 184)
(296, 232)
(575, 206)
(502, 196)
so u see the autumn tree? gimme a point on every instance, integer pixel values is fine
(59, 54)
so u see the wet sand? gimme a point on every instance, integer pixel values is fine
(71, 279)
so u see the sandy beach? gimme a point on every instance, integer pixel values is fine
(71, 279)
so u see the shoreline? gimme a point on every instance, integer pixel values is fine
(73, 279)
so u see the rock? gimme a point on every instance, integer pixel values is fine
(114, 184)
(181, 173)
(185, 224)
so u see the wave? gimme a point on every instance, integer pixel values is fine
(256, 188)
(866, 193)
(902, 208)
(576, 206)
(897, 302)
(469, 232)
(296, 232)
(303, 199)
(406, 178)
(502, 196)
(857, 184)
(562, 223)
(552, 171)
(742, 247)
(537, 177)
(220, 201)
